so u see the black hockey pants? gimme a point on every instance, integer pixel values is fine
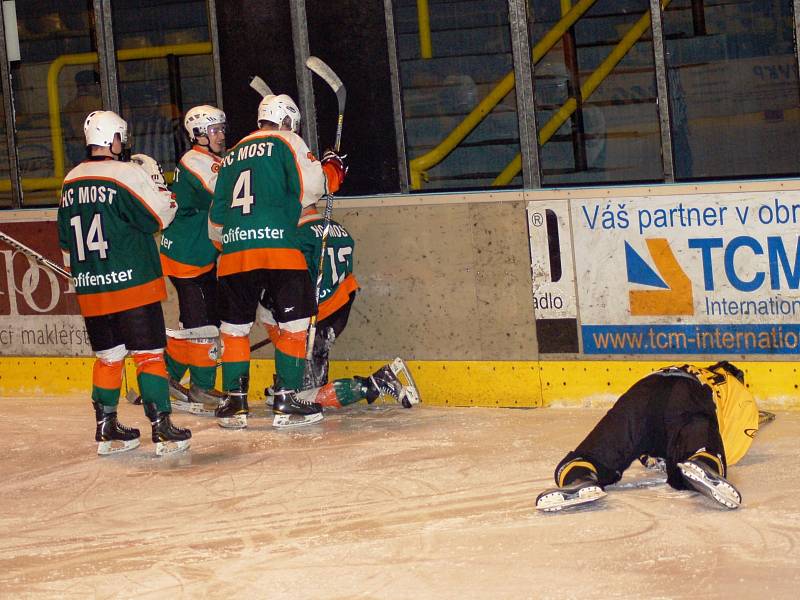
(670, 417)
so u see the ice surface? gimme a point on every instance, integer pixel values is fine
(374, 502)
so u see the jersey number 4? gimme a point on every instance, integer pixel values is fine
(242, 197)
(94, 241)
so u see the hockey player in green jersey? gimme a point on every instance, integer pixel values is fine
(189, 258)
(336, 296)
(109, 211)
(264, 183)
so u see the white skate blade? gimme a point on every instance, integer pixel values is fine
(195, 408)
(410, 395)
(116, 446)
(168, 448)
(712, 486)
(558, 499)
(133, 397)
(234, 422)
(284, 421)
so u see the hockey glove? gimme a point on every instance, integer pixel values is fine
(152, 168)
(335, 170)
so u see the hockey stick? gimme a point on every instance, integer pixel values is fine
(319, 67)
(260, 86)
(46, 262)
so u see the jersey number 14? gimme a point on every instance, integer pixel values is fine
(94, 241)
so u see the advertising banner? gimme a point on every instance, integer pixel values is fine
(39, 314)
(695, 274)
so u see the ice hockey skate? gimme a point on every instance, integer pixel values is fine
(581, 491)
(702, 479)
(111, 435)
(167, 438)
(199, 401)
(393, 380)
(233, 410)
(289, 410)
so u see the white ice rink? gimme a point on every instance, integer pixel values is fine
(374, 502)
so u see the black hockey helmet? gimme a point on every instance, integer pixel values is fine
(729, 368)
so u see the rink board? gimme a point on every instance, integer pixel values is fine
(441, 383)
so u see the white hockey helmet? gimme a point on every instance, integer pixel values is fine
(198, 119)
(101, 126)
(276, 109)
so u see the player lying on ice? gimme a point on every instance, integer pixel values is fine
(697, 420)
(337, 293)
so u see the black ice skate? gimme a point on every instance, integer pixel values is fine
(111, 435)
(387, 381)
(703, 479)
(232, 412)
(167, 438)
(579, 491)
(199, 401)
(291, 411)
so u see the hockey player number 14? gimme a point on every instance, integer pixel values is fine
(241, 193)
(95, 242)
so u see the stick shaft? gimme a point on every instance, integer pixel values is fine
(16, 244)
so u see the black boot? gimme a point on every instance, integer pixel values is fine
(292, 411)
(233, 410)
(109, 430)
(168, 438)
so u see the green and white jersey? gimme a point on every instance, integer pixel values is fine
(263, 184)
(338, 281)
(108, 214)
(186, 250)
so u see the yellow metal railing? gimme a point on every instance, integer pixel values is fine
(418, 165)
(587, 89)
(424, 19)
(54, 102)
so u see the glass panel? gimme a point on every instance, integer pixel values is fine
(50, 30)
(613, 136)
(470, 53)
(733, 87)
(156, 92)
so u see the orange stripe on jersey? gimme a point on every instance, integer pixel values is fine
(181, 270)
(235, 348)
(107, 375)
(339, 298)
(261, 258)
(292, 343)
(104, 303)
(150, 363)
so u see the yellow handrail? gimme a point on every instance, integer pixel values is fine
(424, 18)
(587, 89)
(418, 165)
(54, 102)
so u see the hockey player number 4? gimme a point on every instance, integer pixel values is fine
(241, 193)
(95, 242)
